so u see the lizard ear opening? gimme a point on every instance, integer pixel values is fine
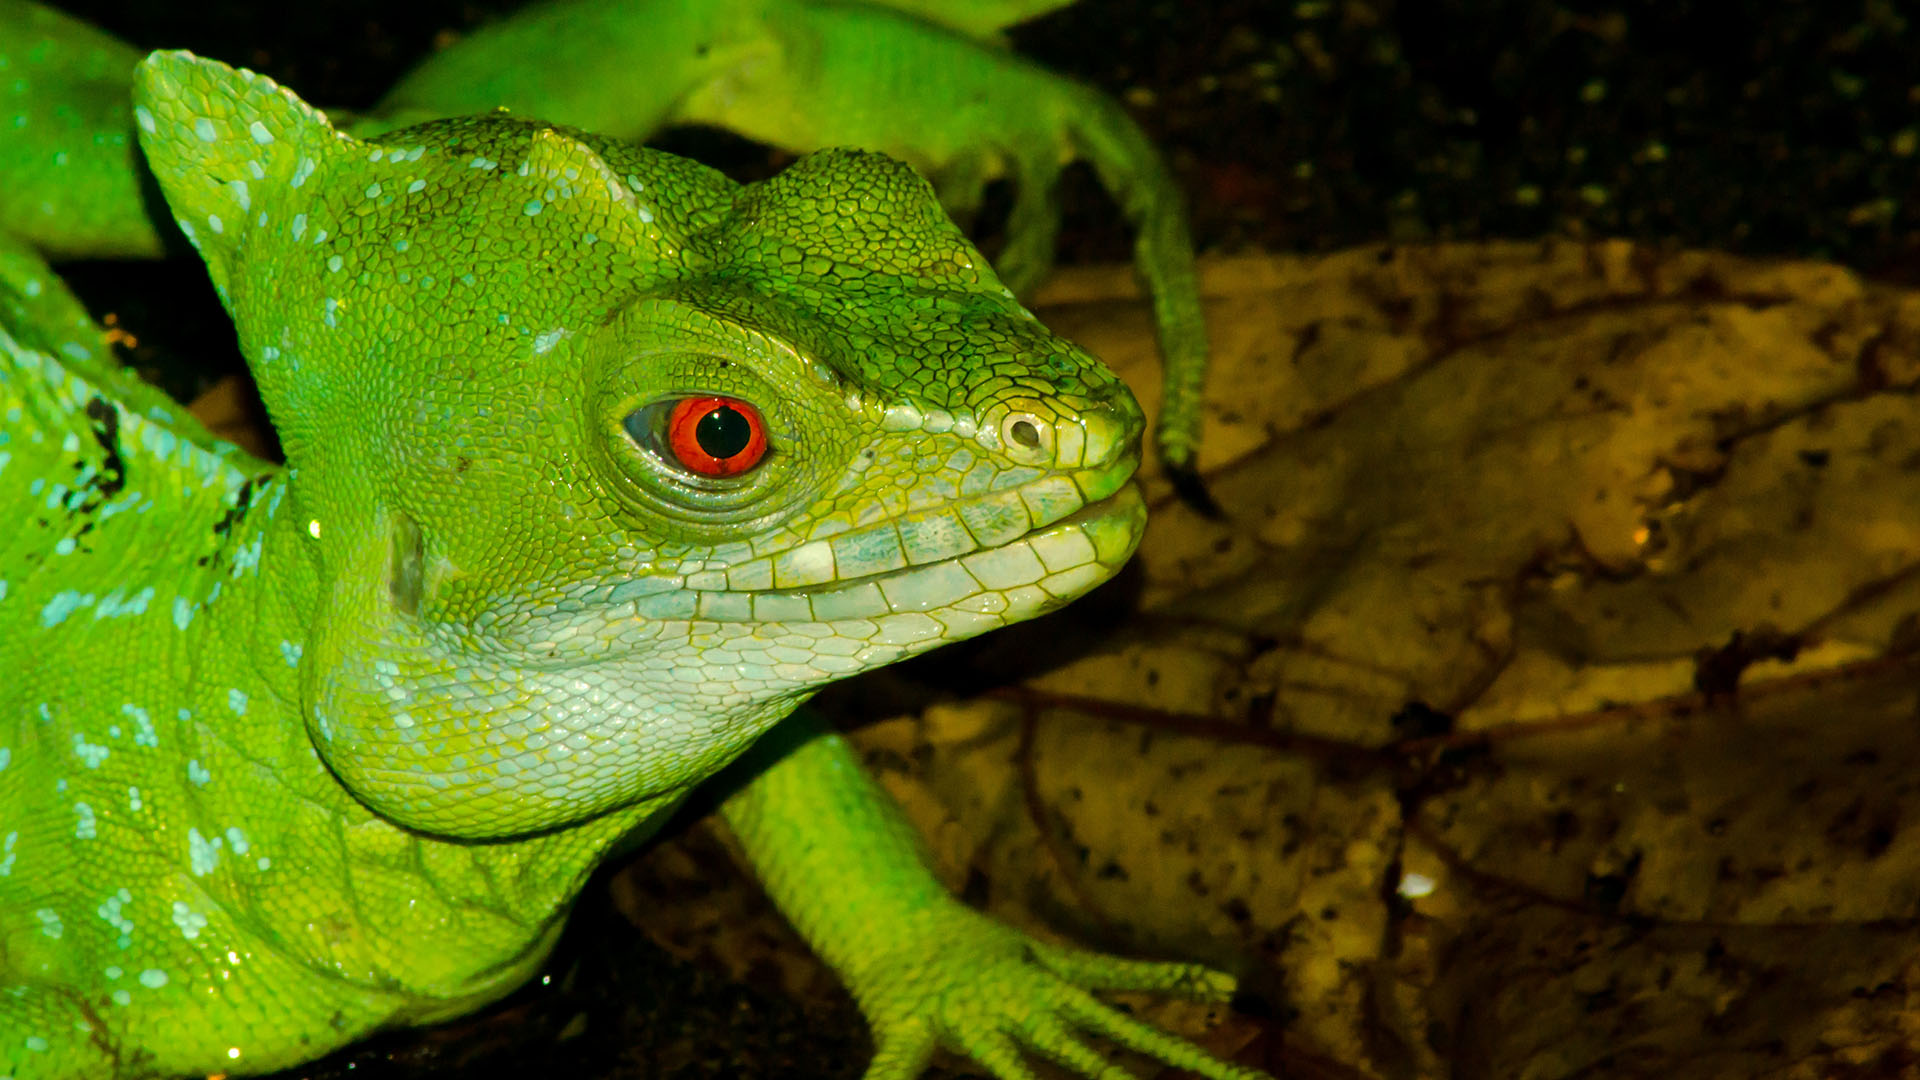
(406, 556)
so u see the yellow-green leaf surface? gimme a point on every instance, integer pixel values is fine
(1544, 705)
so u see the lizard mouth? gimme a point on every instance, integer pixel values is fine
(1036, 571)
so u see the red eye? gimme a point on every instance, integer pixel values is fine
(716, 436)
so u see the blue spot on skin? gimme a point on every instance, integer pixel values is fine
(198, 774)
(61, 606)
(6, 853)
(50, 923)
(288, 652)
(6, 757)
(89, 754)
(202, 854)
(144, 733)
(182, 612)
(115, 605)
(85, 828)
(236, 840)
(237, 701)
(111, 911)
(188, 920)
(121, 997)
(247, 558)
(153, 978)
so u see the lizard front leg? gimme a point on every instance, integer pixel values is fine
(845, 866)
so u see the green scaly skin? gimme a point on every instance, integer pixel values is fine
(802, 75)
(293, 754)
(942, 96)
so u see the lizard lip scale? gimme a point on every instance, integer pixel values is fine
(1044, 568)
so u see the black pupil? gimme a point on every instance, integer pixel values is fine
(723, 432)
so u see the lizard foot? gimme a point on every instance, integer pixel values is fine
(968, 983)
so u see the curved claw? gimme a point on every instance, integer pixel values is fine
(1099, 971)
(1191, 488)
(990, 992)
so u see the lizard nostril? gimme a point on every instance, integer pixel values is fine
(1024, 433)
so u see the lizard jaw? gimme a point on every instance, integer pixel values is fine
(1037, 570)
(1044, 568)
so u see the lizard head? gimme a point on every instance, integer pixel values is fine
(602, 463)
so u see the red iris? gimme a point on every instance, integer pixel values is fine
(716, 436)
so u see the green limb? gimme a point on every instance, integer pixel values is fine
(627, 65)
(1131, 169)
(850, 872)
(75, 187)
(1032, 226)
